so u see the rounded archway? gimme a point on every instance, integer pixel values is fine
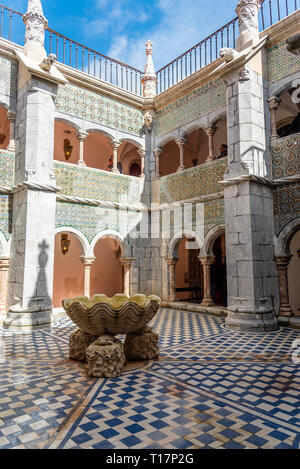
(68, 279)
(107, 269)
(293, 273)
(130, 159)
(188, 272)
(4, 128)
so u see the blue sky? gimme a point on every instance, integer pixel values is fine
(120, 28)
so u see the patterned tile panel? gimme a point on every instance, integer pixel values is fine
(96, 184)
(194, 182)
(96, 108)
(8, 77)
(286, 200)
(285, 156)
(7, 168)
(280, 62)
(5, 215)
(93, 220)
(199, 102)
(214, 214)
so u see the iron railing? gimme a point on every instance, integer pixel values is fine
(117, 73)
(74, 54)
(208, 49)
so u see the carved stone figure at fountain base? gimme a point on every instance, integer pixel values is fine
(79, 342)
(105, 357)
(142, 345)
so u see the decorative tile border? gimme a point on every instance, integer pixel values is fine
(280, 62)
(8, 77)
(7, 168)
(5, 215)
(96, 184)
(96, 108)
(285, 156)
(192, 106)
(286, 205)
(194, 182)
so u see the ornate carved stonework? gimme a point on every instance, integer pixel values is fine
(142, 345)
(228, 54)
(247, 11)
(79, 342)
(149, 78)
(105, 357)
(35, 22)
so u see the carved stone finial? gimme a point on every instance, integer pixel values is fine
(247, 11)
(35, 23)
(228, 54)
(149, 78)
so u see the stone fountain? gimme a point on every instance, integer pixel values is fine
(100, 319)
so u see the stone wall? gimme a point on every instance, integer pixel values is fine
(93, 107)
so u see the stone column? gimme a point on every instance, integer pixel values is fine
(4, 266)
(87, 263)
(273, 106)
(207, 262)
(82, 138)
(247, 11)
(181, 142)
(210, 132)
(115, 147)
(282, 267)
(172, 261)
(127, 263)
(157, 152)
(12, 121)
(142, 154)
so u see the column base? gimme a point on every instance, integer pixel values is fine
(27, 320)
(286, 312)
(181, 168)
(81, 163)
(252, 322)
(207, 302)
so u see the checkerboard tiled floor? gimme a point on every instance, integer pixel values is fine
(211, 388)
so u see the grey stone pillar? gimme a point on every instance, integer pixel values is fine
(34, 203)
(282, 266)
(251, 270)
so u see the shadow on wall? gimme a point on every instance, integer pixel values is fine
(41, 298)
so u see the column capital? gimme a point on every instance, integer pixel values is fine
(11, 116)
(207, 261)
(87, 261)
(157, 152)
(81, 135)
(127, 261)
(142, 152)
(181, 142)
(4, 263)
(274, 102)
(172, 261)
(210, 131)
(115, 144)
(282, 262)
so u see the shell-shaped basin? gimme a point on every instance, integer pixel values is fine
(101, 315)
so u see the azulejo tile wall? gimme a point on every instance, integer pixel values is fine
(92, 220)
(7, 168)
(96, 184)
(286, 205)
(96, 108)
(194, 182)
(5, 215)
(199, 102)
(280, 62)
(214, 214)
(8, 77)
(285, 156)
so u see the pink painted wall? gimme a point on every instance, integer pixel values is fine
(4, 127)
(61, 132)
(169, 159)
(107, 270)
(293, 275)
(128, 154)
(68, 271)
(97, 151)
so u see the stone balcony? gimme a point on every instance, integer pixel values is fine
(97, 184)
(285, 156)
(202, 180)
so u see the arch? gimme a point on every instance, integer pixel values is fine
(4, 246)
(80, 236)
(282, 242)
(161, 142)
(276, 89)
(221, 115)
(209, 240)
(188, 234)
(133, 142)
(67, 122)
(105, 133)
(190, 128)
(125, 247)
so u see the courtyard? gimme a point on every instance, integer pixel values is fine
(211, 388)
